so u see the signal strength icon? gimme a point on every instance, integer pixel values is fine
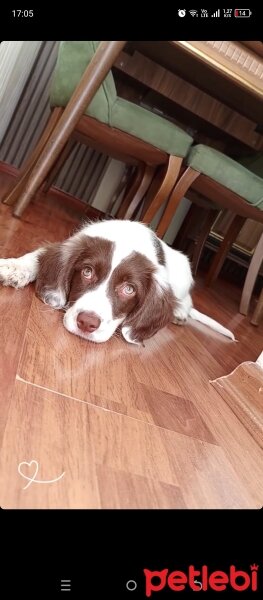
(193, 13)
(216, 13)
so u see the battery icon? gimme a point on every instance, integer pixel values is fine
(243, 12)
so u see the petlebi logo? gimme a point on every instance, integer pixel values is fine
(202, 578)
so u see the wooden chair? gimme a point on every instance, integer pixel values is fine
(109, 124)
(226, 184)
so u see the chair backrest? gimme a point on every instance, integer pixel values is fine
(73, 58)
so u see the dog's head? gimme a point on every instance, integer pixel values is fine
(110, 274)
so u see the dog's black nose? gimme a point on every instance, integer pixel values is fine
(88, 321)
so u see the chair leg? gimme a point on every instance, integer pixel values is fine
(258, 312)
(219, 259)
(251, 277)
(123, 185)
(141, 191)
(153, 189)
(176, 196)
(131, 191)
(59, 163)
(187, 224)
(202, 238)
(16, 191)
(161, 188)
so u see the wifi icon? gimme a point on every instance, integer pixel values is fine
(193, 13)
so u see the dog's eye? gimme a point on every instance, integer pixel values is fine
(88, 272)
(128, 290)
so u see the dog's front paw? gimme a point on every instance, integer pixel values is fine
(55, 298)
(14, 273)
(181, 311)
(179, 321)
(180, 315)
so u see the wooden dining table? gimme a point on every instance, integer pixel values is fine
(230, 71)
(212, 87)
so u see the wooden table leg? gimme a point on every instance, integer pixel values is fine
(251, 277)
(92, 78)
(230, 237)
(202, 238)
(258, 312)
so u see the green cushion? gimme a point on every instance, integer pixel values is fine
(149, 127)
(73, 58)
(228, 172)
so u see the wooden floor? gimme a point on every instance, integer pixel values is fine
(119, 426)
(243, 391)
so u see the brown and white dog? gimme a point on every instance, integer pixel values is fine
(109, 275)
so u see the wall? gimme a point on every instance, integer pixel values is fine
(16, 61)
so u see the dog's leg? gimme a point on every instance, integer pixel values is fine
(19, 272)
(182, 310)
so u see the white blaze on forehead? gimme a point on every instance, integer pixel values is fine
(128, 236)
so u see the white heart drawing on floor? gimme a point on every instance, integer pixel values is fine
(33, 478)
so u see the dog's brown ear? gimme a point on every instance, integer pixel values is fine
(153, 314)
(54, 276)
